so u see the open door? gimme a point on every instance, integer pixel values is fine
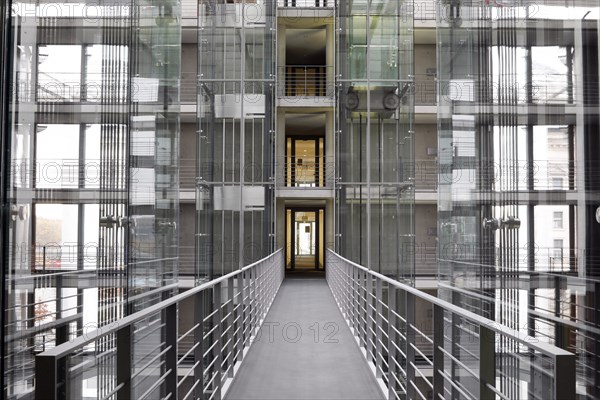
(305, 238)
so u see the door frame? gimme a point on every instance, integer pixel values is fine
(318, 249)
(318, 157)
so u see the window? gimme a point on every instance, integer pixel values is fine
(558, 248)
(557, 217)
(557, 183)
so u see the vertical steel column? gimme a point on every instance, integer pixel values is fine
(438, 354)
(378, 328)
(217, 342)
(199, 312)
(124, 361)
(392, 338)
(171, 320)
(487, 363)
(409, 314)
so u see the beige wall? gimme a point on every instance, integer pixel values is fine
(187, 155)
(187, 229)
(425, 58)
(425, 244)
(425, 136)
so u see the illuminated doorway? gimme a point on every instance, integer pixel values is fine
(305, 238)
(305, 161)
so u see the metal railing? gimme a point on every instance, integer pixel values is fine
(470, 357)
(305, 81)
(300, 171)
(144, 355)
(305, 3)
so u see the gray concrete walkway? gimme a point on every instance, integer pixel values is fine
(305, 351)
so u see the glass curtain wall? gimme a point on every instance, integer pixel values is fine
(90, 160)
(235, 172)
(518, 161)
(4, 73)
(374, 143)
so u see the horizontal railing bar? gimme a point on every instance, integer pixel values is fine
(449, 379)
(193, 328)
(187, 374)
(191, 389)
(114, 391)
(187, 353)
(544, 348)
(67, 348)
(412, 383)
(156, 384)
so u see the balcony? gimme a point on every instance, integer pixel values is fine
(305, 85)
(305, 172)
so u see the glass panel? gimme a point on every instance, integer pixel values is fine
(58, 81)
(71, 169)
(57, 156)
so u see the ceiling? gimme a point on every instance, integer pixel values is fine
(304, 124)
(305, 46)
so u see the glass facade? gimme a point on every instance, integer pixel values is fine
(374, 136)
(518, 157)
(90, 180)
(236, 142)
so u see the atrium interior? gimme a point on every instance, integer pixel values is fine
(300, 199)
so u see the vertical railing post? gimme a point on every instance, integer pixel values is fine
(409, 305)
(124, 361)
(356, 302)
(378, 328)
(259, 294)
(438, 354)
(230, 333)
(362, 333)
(487, 363)
(392, 340)
(240, 315)
(368, 318)
(171, 320)
(564, 376)
(199, 312)
(305, 82)
(46, 377)
(348, 280)
(217, 342)
(251, 299)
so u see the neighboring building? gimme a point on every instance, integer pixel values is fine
(150, 146)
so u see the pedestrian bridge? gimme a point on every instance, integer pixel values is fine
(259, 335)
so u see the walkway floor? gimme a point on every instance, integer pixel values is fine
(305, 351)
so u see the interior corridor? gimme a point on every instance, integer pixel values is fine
(305, 351)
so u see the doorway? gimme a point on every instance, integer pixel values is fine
(305, 238)
(305, 161)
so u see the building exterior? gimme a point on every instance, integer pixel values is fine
(451, 145)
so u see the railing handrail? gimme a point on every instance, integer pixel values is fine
(305, 66)
(544, 348)
(65, 349)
